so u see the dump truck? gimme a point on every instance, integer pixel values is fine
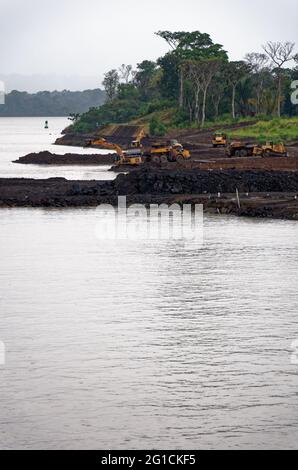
(172, 151)
(135, 154)
(219, 139)
(241, 149)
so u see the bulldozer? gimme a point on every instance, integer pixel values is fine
(270, 150)
(172, 151)
(219, 139)
(241, 149)
(125, 157)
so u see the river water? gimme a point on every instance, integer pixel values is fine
(145, 344)
(20, 136)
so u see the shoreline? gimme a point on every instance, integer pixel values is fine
(261, 193)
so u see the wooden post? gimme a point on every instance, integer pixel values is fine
(238, 199)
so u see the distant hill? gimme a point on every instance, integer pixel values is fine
(50, 103)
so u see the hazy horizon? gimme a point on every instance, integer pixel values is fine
(69, 45)
(51, 82)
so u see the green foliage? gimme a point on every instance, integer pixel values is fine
(116, 111)
(196, 75)
(193, 45)
(169, 83)
(180, 119)
(157, 128)
(276, 130)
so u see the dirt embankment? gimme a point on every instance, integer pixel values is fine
(199, 142)
(262, 193)
(183, 181)
(74, 139)
(48, 158)
(220, 162)
(248, 163)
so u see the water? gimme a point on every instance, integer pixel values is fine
(147, 344)
(20, 136)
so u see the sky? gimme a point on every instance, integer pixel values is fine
(57, 44)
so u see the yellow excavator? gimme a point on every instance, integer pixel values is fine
(125, 157)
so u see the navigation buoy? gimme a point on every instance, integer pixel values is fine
(46, 125)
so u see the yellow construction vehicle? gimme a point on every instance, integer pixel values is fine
(219, 139)
(242, 149)
(172, 151)
(135, 144)
(270, 150)
(125, 157)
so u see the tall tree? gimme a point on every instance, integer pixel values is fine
(280, 54)
(208, 68)
(218, 87)
(258, 63)
(111, 83)
(190, 46)
(237, 71)
(125, 72)
(144, 75)
(192, 72)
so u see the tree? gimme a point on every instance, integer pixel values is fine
(187, 46)
(169, 83)
(218, 88)
(258, 64)
(111, 83)
(125, 72)
(201, 72)
(208, 68)
(280, 54)
(236, 71)
(74, 117)
(144, 75)
(192, 72)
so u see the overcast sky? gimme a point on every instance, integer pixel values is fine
(69, 40)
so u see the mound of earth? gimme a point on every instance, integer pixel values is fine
(48, 158)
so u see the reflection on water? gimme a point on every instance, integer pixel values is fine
(137, 344)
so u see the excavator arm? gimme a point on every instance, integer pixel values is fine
(124, 157)
(103, 143)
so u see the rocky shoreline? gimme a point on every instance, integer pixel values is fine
(261, 193)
